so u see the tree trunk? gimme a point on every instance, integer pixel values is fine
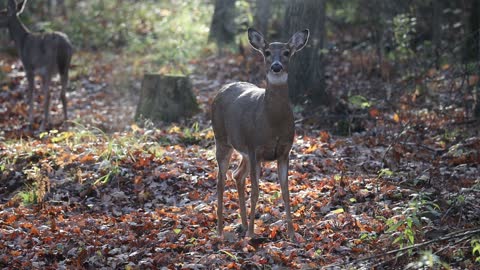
(437, 31)
(165, 98)
(223, 28)
(262, 14)
(306, 70)
(472, 48)
(475, 52)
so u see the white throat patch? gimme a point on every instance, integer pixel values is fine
(277, 79)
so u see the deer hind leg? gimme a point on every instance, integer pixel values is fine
(223, 154)
(239, 175)
(31, 86)
(46, 80)
(254, 176)
(63, 97)
(64, 57)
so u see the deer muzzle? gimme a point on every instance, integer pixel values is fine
(276, 67)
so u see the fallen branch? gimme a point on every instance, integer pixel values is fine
(443, 238)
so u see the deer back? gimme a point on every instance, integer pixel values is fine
(46, 53)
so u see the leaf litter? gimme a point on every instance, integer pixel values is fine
(109, 193)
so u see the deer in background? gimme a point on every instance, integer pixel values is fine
(43, 54)
(257, 123)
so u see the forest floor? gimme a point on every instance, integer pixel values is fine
(384, 167)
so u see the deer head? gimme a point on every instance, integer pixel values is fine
(11, 12)
(277, 54)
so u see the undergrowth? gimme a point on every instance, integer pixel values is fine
(135, 37)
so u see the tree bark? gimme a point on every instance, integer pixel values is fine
(437, 31)
(262, 15)
(475, 52)
(165, 98)
(472, 40)
(223, 28)
(306, 70)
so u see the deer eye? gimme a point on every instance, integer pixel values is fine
(267, 53)
(286, 53)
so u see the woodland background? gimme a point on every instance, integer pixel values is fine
(384, 170)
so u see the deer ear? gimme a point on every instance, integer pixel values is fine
(256, 40)
(298, 40)
(21, 6)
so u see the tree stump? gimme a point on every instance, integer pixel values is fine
(166, 98)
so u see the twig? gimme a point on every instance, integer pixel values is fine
(403, 253)
(388, 260)
(446, 237)
(458, 241)
(395, 140)
(455, 201)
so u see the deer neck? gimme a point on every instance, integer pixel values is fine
(18, 32)
(277, 102)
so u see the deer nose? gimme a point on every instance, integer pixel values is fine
(276, 67)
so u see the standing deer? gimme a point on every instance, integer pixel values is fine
(43, 54)
(257, 123)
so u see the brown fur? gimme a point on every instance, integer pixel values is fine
(43, 54)
(258, 123)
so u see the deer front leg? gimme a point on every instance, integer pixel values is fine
(254, 176)
(239, 176)
(282, 165)
(31, 86)
(46, 103)
(223, 154)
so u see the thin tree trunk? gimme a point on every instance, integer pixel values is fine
(306, 70)
(223, 28)
(475, 29)
(262, 15)
(472, 22)
(437, 31)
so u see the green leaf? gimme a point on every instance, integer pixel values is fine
(177, 231)
(476, 250)
(432, 210)
(338, 211)
(416, 221)
(385, 172)
(409, 222)
(359, 101)
(398, 239)
(476, 247)
(229, 254)
(411, 238)
(395, 226)
(276, 195)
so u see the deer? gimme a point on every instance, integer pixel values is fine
(259, 124)
(42, 54)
